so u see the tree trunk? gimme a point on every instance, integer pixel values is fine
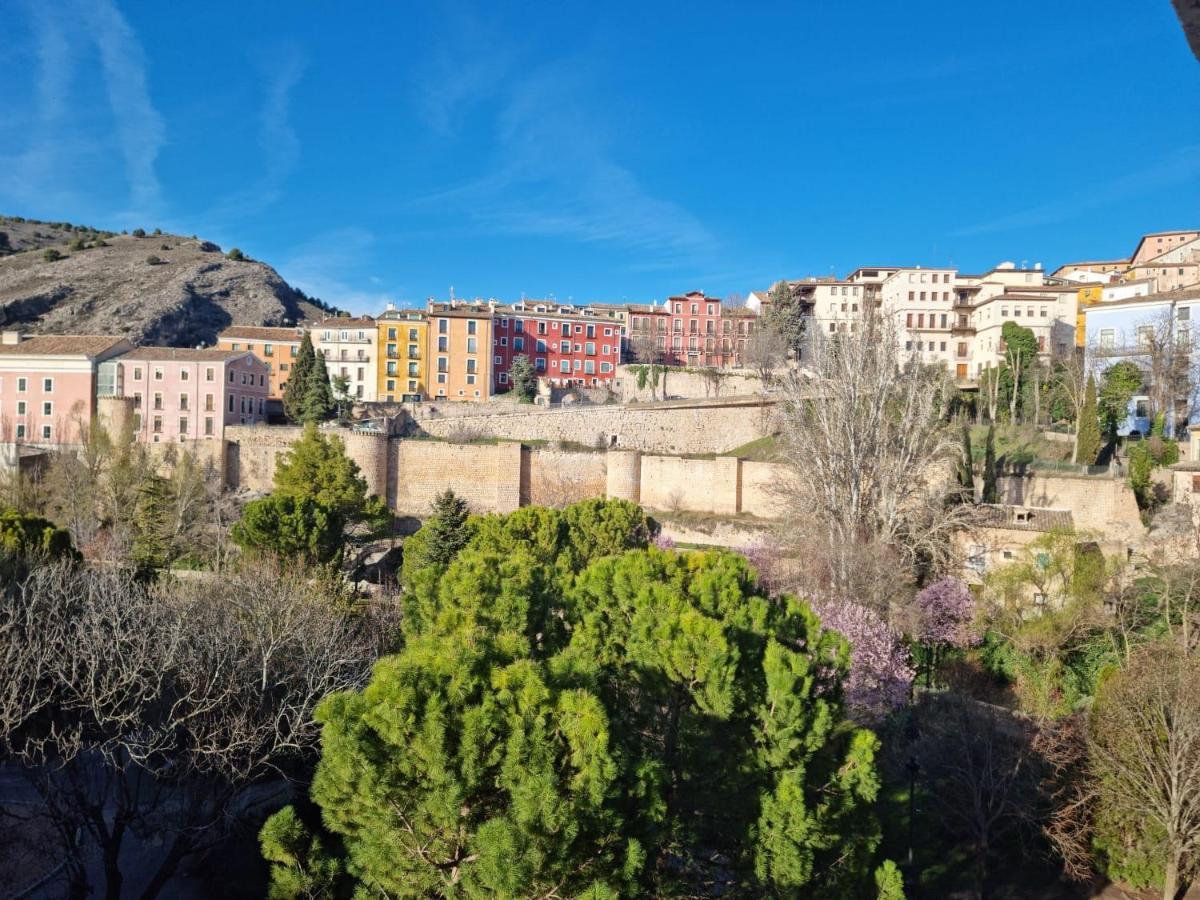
(1171, 878)
(166, 870)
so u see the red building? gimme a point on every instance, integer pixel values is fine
(691, 330)
(567, 345)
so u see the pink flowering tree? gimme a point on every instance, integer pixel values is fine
(881, 674)
(766, 557)
(944, 619)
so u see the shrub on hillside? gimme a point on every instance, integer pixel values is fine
(153, 260)
(236, 255)
(139, 232)
(52, 255)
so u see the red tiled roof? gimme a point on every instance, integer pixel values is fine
(63, 345)
(257, 333)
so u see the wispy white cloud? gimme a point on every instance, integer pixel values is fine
(327, 265)
(552, 172)
(1178, 168)
(39, 174)
(140, 128)
(277, 140)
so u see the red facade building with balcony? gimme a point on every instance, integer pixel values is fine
(689, 330)
(567, 346)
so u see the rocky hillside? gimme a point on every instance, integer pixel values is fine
(159, 288)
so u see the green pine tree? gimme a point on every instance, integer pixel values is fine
(1087, 428)
(786, 314)
(440, 538)
(990, 492)
(574, 713)
(318, 404)
(296, 389)
(966, 467)
(524, 378)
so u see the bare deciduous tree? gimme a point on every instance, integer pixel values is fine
(870, 456)
(766, 351)
(159, 711)
(1144, 745)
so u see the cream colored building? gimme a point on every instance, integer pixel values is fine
(350, 347)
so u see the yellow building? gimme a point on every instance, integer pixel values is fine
(460, 352)
(1089, 295)
(403, 356)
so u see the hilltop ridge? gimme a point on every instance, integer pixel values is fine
(151, 288)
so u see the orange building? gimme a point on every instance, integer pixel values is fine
(460, 352)
(277, 347)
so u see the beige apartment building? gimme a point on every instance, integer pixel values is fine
(460, 351)
(350, 347)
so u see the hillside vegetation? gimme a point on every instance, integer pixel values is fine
(151, 288)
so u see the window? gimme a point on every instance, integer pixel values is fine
(589, 348)
(232, 375)
(295, 350)
(564, 347)
(443, 344)
(21, 407)
(158, 401)
(21, 430)
(1108, 338)
(1145, 334)
(443, 326)
(158, 374)
(471, 366)
(21, 385)
(518, 343)
(589, 367)
(470, 379)
(231, 402)
(496, 360)
(443, 365)
(210, 373)
(137, 373)
(183, 425)
(540, 364)
(518, 324)
(209, 402)
(605, 367)
(183, 401)
(414, 368)
(472, 345)
(47, 431)
(471, 323)
(503, 378)
(157, 425)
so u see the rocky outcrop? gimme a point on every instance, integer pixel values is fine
(161, 289)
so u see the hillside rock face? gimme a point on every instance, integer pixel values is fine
(183, 299)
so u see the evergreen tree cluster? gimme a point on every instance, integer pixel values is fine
(575, 713)
(308, 394)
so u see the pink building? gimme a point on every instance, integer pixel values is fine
(49, 384)
(191, 395)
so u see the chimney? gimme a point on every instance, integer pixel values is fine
(8, 338)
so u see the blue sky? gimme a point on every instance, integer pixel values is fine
(604, 151)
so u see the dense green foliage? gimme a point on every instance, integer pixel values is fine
(573, 717)
(290, 528)
(1118, 384)
(439, 539)
(318, 404)
(1087, 439)
(786, 313)
(317, 468)
(524, 378)
(296, 388)
(966, 466)
(25, 537)
(990, 492)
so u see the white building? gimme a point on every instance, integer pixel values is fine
(350, 350)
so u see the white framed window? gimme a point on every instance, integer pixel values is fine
(20, 429)
(503, 377)
(22, 407)
(47, 432)
(47, 408)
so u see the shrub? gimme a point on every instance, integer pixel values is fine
(51, 255)
(77, 244)
(164, 247)
(158, 231)
(153, 260)
(290, 528)
(236, 255)
(139, 232)
(209, 247)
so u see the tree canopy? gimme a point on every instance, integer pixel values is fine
(575, 713)
(316, 467)
(296, 388)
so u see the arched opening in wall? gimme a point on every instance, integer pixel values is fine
(612, 440)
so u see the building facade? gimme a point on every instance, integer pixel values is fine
(350, 347)
(460, 358)
(277, 347)
(49, 385)
(190, 395)
(403, 372)
(567, 346)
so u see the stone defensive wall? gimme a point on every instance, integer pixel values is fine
(696, 426)
(1097, 503)
(677, 383)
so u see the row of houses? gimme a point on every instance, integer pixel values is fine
(464, 350)
(50, 386)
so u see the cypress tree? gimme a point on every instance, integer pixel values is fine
(966, 467)
(318, 402)
(1087, 429)
(296, 389)
(990, 493)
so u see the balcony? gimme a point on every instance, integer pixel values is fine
(962, 327)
